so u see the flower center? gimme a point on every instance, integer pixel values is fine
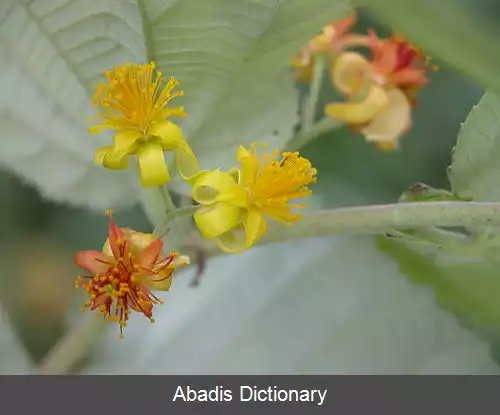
(119, 289)
(280, 181)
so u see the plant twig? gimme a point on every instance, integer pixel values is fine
(73, 347)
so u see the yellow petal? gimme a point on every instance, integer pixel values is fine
(169, 134)
(392, 121)
(163, 281)
(217, 186)
(359, 112)
(214, 220)
(255, 226)
(233, 241)
(124, 144)
(350, 73)
(99, 155)
(250, 165)
(160, 282)
(152, 166)
(187, 164)
(105, 157)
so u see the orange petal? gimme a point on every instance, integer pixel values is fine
(409, 76)
(115, 235)
(393, 121)
(343, 25)
(149, 255)
(94, 262)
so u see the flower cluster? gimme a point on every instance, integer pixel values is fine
(233, 205)
(379, 90)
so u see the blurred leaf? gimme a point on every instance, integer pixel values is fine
(13, 359)
(231, 57)
(475, 171)
(446, 30)
(468, 289)
(331, 305)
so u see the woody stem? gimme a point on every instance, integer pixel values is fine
(74, 346)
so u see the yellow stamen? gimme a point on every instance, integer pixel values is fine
(272, 183)
(133, 100)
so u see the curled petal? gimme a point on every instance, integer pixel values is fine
(350, 73)
(99, 155)
(217, 186)
(104, 157)
(359, 112)
(94, 262)
(232, 241)
(125, 142)
(255, 226)
(392, 122)
(152, 165)
(187, 164)
(217, 219)
(169, 134)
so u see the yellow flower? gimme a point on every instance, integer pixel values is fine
(235, 204)
(133, 103)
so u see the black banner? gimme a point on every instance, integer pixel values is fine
(385, 395)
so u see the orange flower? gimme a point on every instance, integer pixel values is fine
(123, 274)
(333, 39)
(379, 92)
(397, 62)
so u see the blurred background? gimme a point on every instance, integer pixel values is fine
(39, 238)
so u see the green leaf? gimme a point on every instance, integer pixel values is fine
(13, 360)
(322, 306)
(475, 170)
(470, 289)
(447, 31)
(231, 57)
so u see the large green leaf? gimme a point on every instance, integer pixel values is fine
(13, 359)
(231, 57)
(475, 168)
(330, 305)
(470, 289)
